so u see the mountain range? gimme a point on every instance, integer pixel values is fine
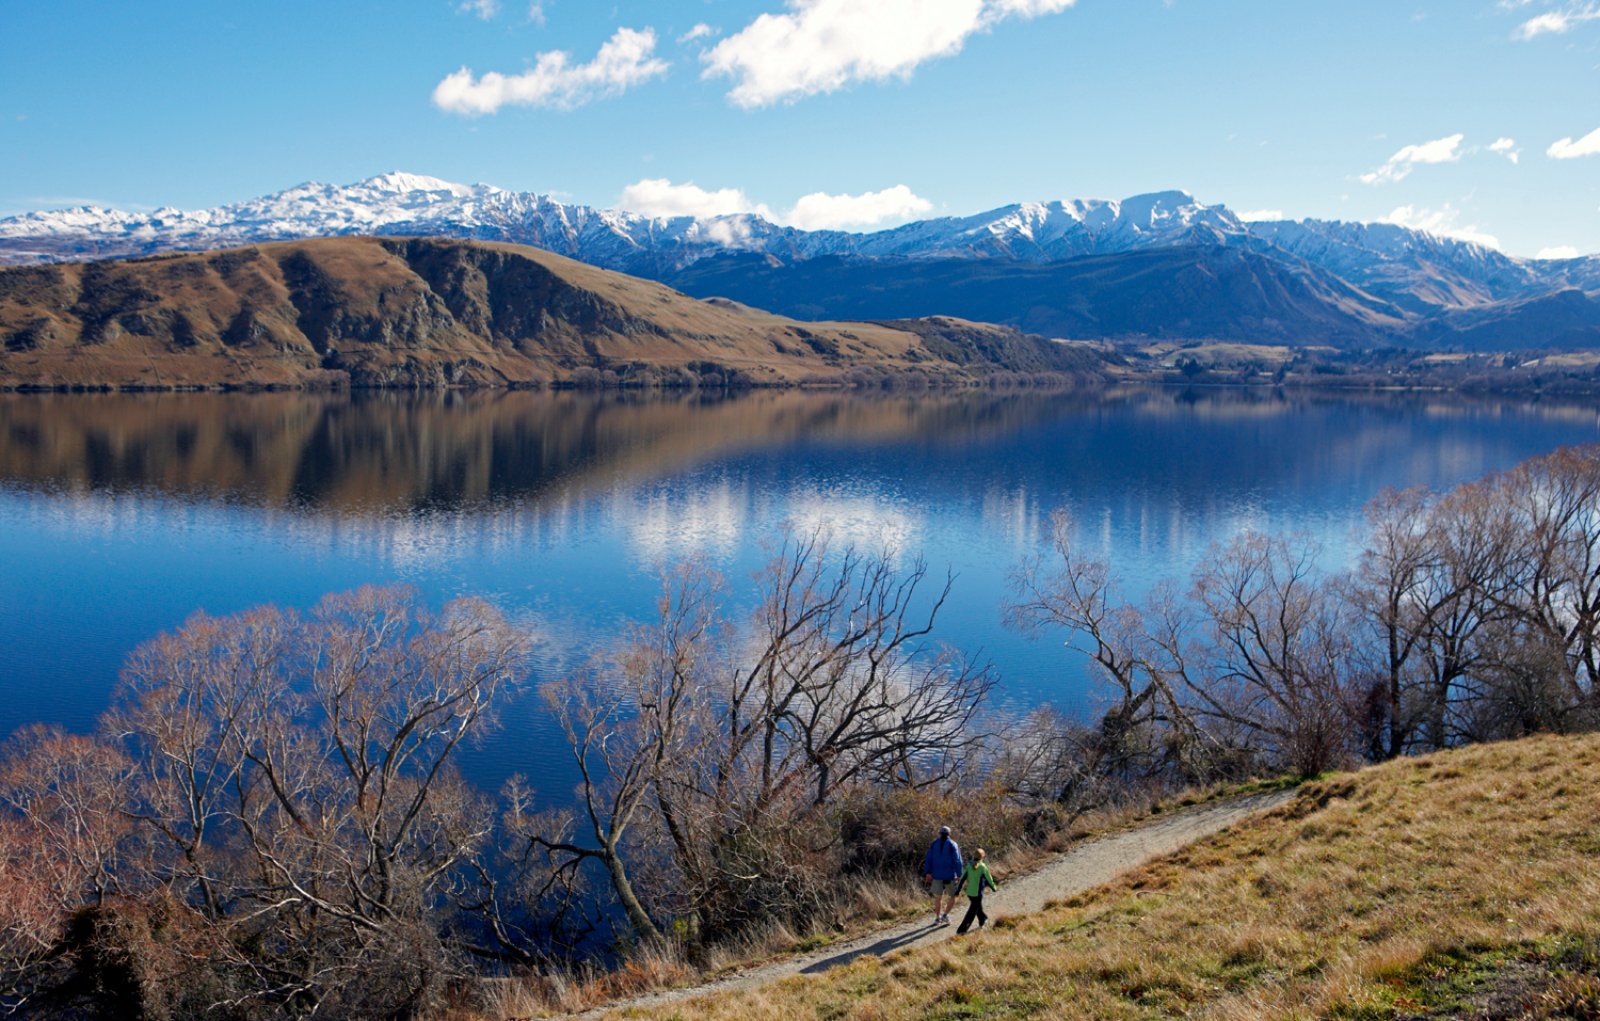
(1161, 265)
(433, 312)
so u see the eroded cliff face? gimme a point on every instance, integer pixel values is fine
(419, 313)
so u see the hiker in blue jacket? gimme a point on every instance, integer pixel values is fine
(941, 871)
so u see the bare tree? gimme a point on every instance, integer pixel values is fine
(1465, 593)
(1391, 589)
(1139, 654)
(63, 834)
(69, 790)
(739, 739)
(318, 752)
(1552, 563)
(1254, 662)
(32, 914)
(631, 724)
(184, 699)
(1279, 651)
(1047, 758)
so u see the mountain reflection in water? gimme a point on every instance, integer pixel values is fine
(122, 514)
(386, 452)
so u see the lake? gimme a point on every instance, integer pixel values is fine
(122, 514)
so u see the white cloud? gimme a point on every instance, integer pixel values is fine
(821, 211)
(1261, 214)
(700, 31)
(824, 45)
(1398, 166)
(816, 211)
(484, 9)
(1025, 8)
(536, 12)
(660, 197)
(1444, 221)
(1506, 147)
(1558, 252)
(1557, 22)
(626, 59)
(1567, 149)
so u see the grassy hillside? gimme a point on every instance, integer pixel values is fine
(1464, 884)
(423, 312)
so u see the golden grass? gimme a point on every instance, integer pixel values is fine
(872, 905)
(234, 317)
(1321, 908)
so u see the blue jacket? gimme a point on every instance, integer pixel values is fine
(943, 860)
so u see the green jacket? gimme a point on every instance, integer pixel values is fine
(976, 877)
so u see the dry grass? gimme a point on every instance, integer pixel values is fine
(560, 992)
(868, 906)
(402, 312)
(1329, 907)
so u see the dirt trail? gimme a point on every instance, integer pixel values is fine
(1084, 867)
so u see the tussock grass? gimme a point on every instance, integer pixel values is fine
(1339, 904)
(864, 906)
(556, 991)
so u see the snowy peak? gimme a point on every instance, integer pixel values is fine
(1063, 229)
(1158, 209)
(398, 182)
(404, 203)
(1415, 268)
(1412, 268)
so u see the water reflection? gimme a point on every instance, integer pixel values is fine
(121, 514)
(401, 453)
(447, 451)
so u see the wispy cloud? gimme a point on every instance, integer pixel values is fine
(824, 45)
(1398, 166)
(1558, 252)
(1557, 22)
(1567, 149)
(627, 59)
(484, 9)
(1444, 221)
(816, 211)
(1506, 147)
(700, 31)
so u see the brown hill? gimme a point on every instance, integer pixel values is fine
(434, 312)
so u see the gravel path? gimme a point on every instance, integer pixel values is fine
(1084, 867)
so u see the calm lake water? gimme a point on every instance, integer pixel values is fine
(122, 514)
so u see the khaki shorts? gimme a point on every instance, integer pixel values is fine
(943, 886)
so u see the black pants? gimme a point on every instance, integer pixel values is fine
(974, 910)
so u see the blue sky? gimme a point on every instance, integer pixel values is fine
(853, 113)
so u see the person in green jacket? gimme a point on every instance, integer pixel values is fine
(974, 878)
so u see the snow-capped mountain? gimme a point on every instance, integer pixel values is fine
(409, 204)
(396, 203)
(1414, 268)
(1381, 274)
(1052, 231)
